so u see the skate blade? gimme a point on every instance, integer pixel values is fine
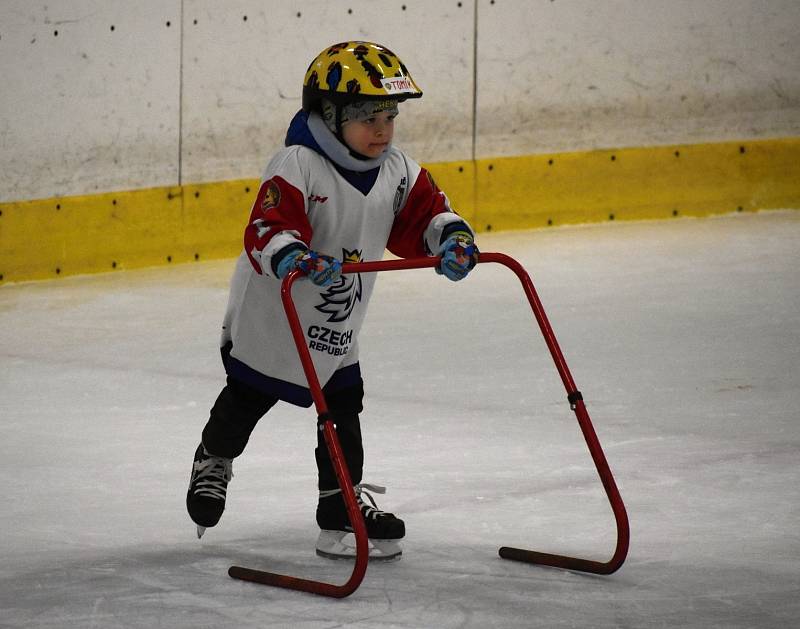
(342, 545)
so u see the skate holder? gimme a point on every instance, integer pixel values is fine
(331, 439)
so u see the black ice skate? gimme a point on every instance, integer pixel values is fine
(336, 539)
(208, 485)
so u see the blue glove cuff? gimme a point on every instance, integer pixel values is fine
(288, 260)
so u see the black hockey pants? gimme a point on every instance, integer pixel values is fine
(239, 407)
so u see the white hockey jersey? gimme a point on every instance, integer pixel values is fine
(305, 197)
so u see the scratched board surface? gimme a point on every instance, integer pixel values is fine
(581, 75)
(245, 61)
(90, 101)
(106, 95)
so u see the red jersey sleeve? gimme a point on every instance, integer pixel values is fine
(425, 200)
(279, 207)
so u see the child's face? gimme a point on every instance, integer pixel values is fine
(370, 136)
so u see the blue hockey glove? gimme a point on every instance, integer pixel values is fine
(459, 255)
(321, 269)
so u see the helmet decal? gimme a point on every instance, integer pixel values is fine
(336, 48)
(357, 69)
(372, 73)
(334, 75)
(360, 52)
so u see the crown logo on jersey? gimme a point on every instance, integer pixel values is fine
(349, 257)
(341, 297)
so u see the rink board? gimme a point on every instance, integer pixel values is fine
(129, 229)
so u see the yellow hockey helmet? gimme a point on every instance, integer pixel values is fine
(357, 70)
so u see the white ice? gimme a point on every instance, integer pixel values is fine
(683, 335)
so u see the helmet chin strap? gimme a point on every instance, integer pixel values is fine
(338, 122)
(340, 133)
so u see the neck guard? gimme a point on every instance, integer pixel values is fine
(337, 152)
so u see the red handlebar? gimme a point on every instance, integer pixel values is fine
(326, 425)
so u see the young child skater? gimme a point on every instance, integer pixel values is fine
(338, 192)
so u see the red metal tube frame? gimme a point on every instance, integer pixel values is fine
(362, 545)
(339, 466)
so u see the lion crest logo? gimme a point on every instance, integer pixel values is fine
(272, 196)
(341, 297)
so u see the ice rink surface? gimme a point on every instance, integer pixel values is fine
(683, 335)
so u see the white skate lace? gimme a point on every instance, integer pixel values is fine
(212, 476)
(362, 488)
